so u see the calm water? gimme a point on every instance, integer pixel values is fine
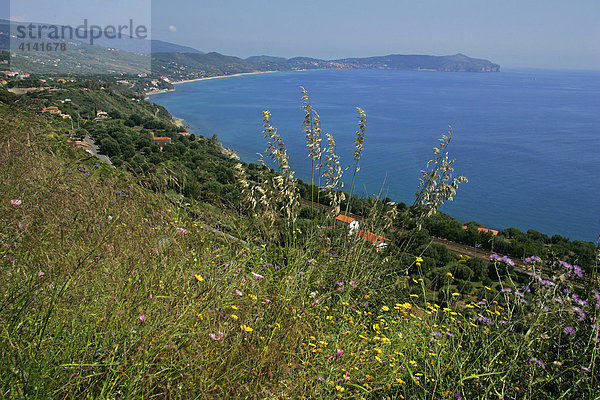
(528, 140)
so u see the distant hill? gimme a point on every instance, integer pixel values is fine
(177, 62)
(159, 46)
(181, 66)
(455, 63)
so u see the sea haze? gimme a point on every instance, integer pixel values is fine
(527, 140)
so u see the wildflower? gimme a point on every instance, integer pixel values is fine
(15, 202)
(267, 301)
(339, 388)
(506, 290)
(338, 353)
(257, 276)
(455, 294)
(579, 301)
(182, 231)
(400, 381)
(142, 318)
(243, 252)
(449, 275)
(547, 283)
(450, 334)
(539, 362)
(436, 334)
(40, 274)
(580, 312)
(199, 278)
(352, 283)
(385, 308)
(560, 301)
(238, 293)
(532, 259)
(246, 328)
(569, 330)
(586, 369)
(277, 268)
(218, 336)
(234, 317)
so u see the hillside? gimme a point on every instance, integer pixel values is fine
(117, 283)
(192, 66)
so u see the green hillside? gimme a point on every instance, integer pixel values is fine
(185, 274)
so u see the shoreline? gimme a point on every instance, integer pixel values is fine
(222, 76)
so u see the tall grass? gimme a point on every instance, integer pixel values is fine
(111, 291)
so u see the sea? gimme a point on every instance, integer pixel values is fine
(527, 140)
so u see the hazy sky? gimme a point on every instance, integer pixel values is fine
(513, 33)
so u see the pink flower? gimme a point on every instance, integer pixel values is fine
(352, 283)
(15, 202)
(220, 335)
(243, 280)
(338, 353)
(257, 276)
(40, 274)
(238, 293)
(142, 318)
(182, 231)
(267, 301)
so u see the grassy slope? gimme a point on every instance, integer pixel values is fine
(88, 252)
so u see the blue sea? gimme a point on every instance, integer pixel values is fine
(527, 140)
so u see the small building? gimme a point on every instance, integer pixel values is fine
(161, 141)
(343, 220)
(484, 230)
(52, 110)
(376, 240)
(80, 144)
(183, 133)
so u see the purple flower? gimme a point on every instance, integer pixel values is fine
(338, 353)
(182, 231)
(539, 362)
(486, 320)
(580, 312)
(556, 299)
(532, 259)
(243, 252)
(277, 268)
(257, 276)
(243, 280)
(597, 298)
(450, 334)
(579, 301)
(569, 330)
(547, 283)
(218, 336)
(586, 369)
(142, 318)
(15, 202)
(238, 293)
(352, 283)
(506, 290)
(40, 274)
(436, 333)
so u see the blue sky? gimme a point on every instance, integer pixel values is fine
(513, 33)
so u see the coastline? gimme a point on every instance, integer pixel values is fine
(221, 76)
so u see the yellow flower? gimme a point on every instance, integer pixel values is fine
(385, 308)
(449, 274)
(414, 295)
(378, 358)
(246, 328)
(234, 317)
(455, 294)
(199, 277)
(419, 259)
(339, 388)
(234, 307)
(400, 381)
